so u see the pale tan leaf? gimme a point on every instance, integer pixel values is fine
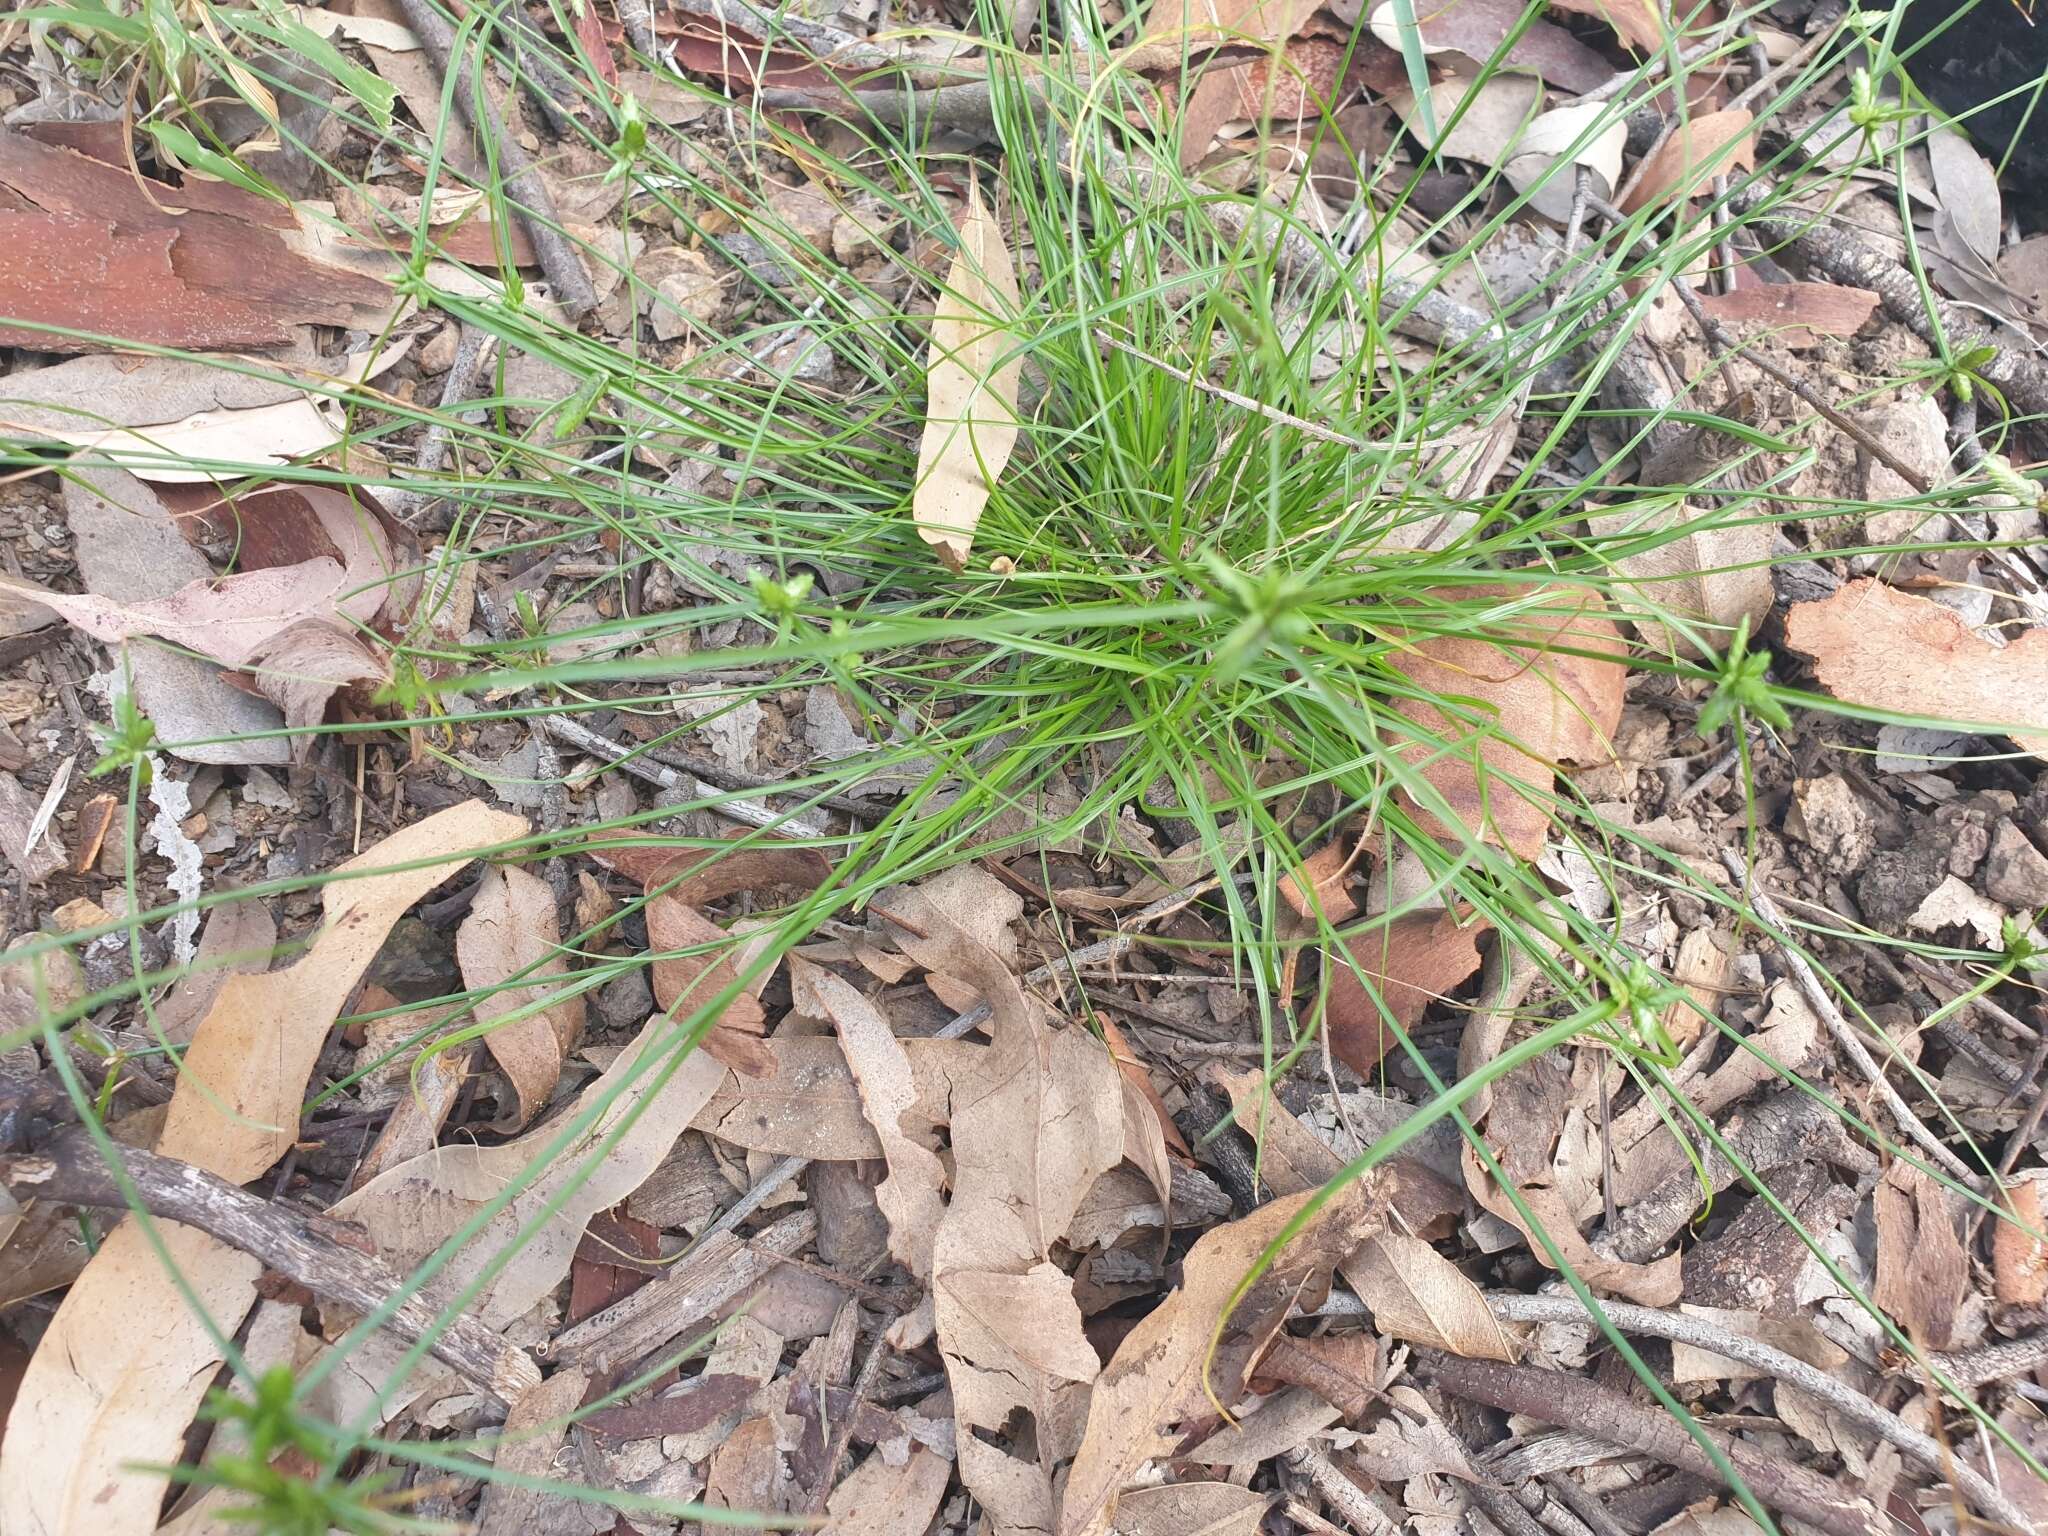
(1038, 1119)
(1511, 697)
(1639, 23)
(410, 1210)
(512, 930)
(1475, 29)
(535, 1427)
(300, 668)
(1412, 1441)
(1192, 1509)
(808, 1105)
(1496, 114)
(971, 384)
(1285, 1421)
(1707, 145)
(1922, 1267)
(1419, 1295)
(1547, 158)
(1656, 1284)
(86, 1413)
(1711, 571)
(877, 1499)
(1154, 1383)
(912, 1196)
(169, 454)
(1874, 645)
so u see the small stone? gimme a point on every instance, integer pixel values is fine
(438, 355)
(1896, 881)
(627, 1002)
(1837, 825)
(2015, 871)
(688, 296)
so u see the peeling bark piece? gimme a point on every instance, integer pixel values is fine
(1922, 1269)
(1796, 313)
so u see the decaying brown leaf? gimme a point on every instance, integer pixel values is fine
(877, 1499)
(971, 382)
(1412, 960)
(513, 930)
(85, 1413)
(1639, 23)
(1155, 1382)
(2019, 1255)
(410, 1210)
(1922, 1268)
(1707, 145)
(912, 1197)
(1192, 1509)
(1477, 28)
(1710, 570)
(1494, 716)
(1874, 645)
(1036, 1121)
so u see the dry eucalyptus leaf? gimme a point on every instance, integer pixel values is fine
(1701, 148)
(85, 1413)
(1797, 314)
(1972, 212)
(808, 1104)
(877, 1499)
(512, 930)
(971, 382)
(1639, 23)
(1155, 1381)
(1496, 118)
(410, 1210)
(1192, 1509)
(1477, 28)
(685, 982)
(1522, 704)
(1876, 646)
(1712, 571)
(1419, 1295)
(1545, 159)
(912, 1197)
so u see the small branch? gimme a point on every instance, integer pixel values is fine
(630, 760)
(331, 1259)
(1555, 1397)
(531, 201)
(1815, 1383)
(1993, 1362)
(1844, 1036)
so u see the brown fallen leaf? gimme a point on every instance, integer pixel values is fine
(877, 1499)
(1036, 1121)
(1797, 314)
(809, 1106)
(513, 930)
(1923, 1270)
(1493, 716)
(1707, 145)
(1706, 569)
(2019, 1255)
(1639, 23)
(1415, 1292)
(1155, 1381)
(410, 1210)
(971, 381)
(86, 1414)
(1192, 1509)
(1876, 646)
(685, 982)
(1477, 28)
(1413, 960)
(912, 1197)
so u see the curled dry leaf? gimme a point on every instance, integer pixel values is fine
(1155, 1381)
(513, 930)
(1591, 136)
(971, 383)
(1036, 1121)
(86, 1414)
(1495, 712)
(410, 1210)
(912, 1197)
(303, 667)
(1477, 28)
(1639, 23)
(1876, 646)
(1703, 568)
(2019, 1254)
(1705, 146)
(1488, 124)
(1413, 959)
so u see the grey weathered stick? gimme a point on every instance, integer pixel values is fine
(532, 202)
(330, 1258)
(1845, 1037)
(1851, 1404)
(750, 812)
(717, 1271)
(1554, 1397)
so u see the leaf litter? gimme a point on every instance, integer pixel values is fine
(1005, 1288)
